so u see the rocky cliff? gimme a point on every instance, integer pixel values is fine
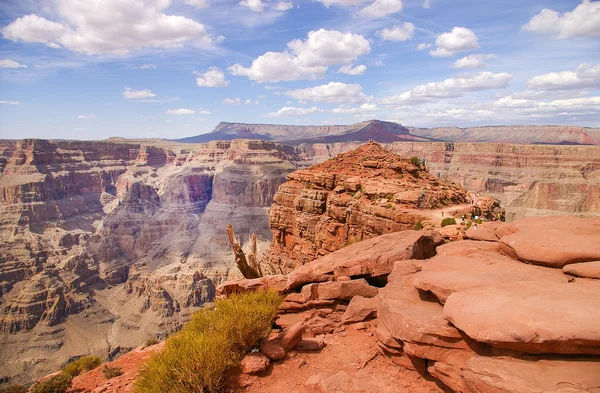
(106, 244)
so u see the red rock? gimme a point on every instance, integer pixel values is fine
(586, 269)
(485, 231)
(466, 248)
(342, 290)
(533, 317)
(310, 344)
(274, 282)
(360, 309)
(385, 337)
(553, 241)
(291, 336)
(273, 350)
(451, 232)
(254, 363)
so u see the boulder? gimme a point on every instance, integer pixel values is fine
(310, 344)
(360, 309)
(587, 269)
(291, 336)
(341, 290)
(553, 241)
(254, 363)
(532, 317)
(485, 231)
(273, 350)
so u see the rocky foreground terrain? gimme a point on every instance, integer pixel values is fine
(510, 309)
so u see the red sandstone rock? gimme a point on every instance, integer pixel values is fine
(553, 241)
(342, 290)
(485, 231)
(587, 269)
(273, 350)
(291, 336)
(254, 363)
(533, 317)
(360, 309)
(310, 344)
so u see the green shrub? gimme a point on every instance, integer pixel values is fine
(150, 342)
(81, 365)
(111, 372)
(479, 221)
(56, 384)
(14, 389)
(418, 226)
(468, 224)
(415, 161)
(448, 221)
(196, 359)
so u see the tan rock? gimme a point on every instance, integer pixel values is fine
(533, 317)
(360, 309)
(254, 363)
(586, 269)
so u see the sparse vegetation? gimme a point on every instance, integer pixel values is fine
(196, 359)
(415, 161)
(14, 389)
(478, 221)
(418, 226)
(111, 372)
(150, 342)
(468, 224)
(56, 384)
(81, 365)
(448, 221)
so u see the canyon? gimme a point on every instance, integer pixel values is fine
(105, 244)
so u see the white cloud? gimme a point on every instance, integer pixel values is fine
(306, 59)
(4, 102)
(511, 102)
(460, 39)
(333, 92)
(248, 102)
(197, 3)
(232, 101)
(254, 5)
(283, 6)
(290, 111)
(213, 77)
(381, 8)
(473, 61)
(87, 117)
(449, 88)
(427, 4)
(585, 76)
(6, 63)
(108, 26)
(398, 33)
(146, 67)
(180, 111)
(364, 108)
(348, 69)
(423, 46)
(131, 94)
(583, 21)
(204, 112)
(376, 63)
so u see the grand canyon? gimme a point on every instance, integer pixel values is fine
(106, 244)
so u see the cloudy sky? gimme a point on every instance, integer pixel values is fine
(91, 69)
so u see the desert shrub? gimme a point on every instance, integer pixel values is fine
(150, 342)
(479, 221)
(448, 221)
(56, 384)
(418, 226)
(81, 365)
(196, 359)
(415, 161)
(468, 224)
(14, 389)
(110, 372)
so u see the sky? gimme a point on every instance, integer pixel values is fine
(94, 69)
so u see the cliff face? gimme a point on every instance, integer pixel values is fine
(106, 244)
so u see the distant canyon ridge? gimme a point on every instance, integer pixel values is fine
(104, 244)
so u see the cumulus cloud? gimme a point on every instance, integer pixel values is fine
(423, 46)
(349, 70)
(585, 76)
(449, 88)
(460, 39)
(290, 111)
(180, 111)
(213, 77)
(232, 101)
(333, 92)
(364, 108)
(473, 61)
(583, 21)
(197, 3)
(131, 94)
(381, 8)
(107, 26)
(306, 59)
(398, 33)
(283, 6)
(5, 102)
(6, 63)
(254, 5)
(87, 117)
(511, 102)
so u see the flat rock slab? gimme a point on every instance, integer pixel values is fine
(552, 241)
(532, 317)
(585, 269)
(466, 248)
(360, 309)
(444, 275)
(479, 374)
(485, 231)
(342, 290)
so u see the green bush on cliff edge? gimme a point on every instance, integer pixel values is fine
(196, 359)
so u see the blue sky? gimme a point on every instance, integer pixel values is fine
(92, 69)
